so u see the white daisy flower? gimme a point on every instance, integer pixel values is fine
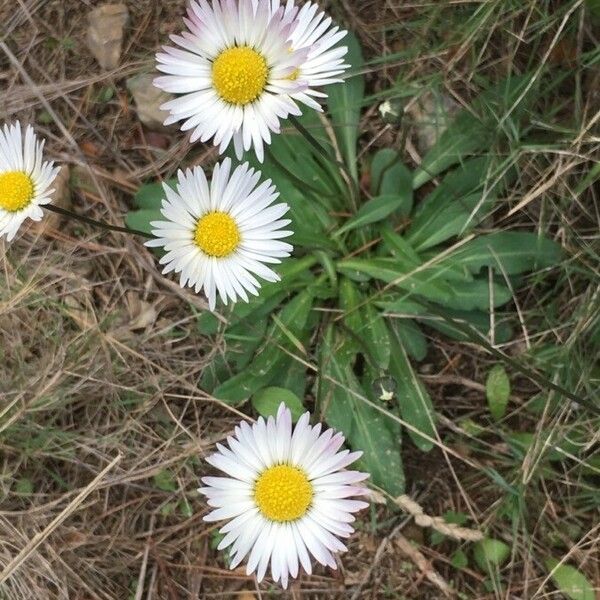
(234, 69)
(287, 495)
(24, 179)
(219, 236)
(314, 32)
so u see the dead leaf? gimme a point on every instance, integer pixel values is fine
(376, 497)
(89, 148)
(142, 314)
(157, 140)
(564, 54)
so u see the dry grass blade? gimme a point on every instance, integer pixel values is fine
(30, 547)
(101, 356)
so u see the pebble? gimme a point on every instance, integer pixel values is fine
(105, 34)
(148, 100)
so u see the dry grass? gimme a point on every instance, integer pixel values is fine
(102, 424)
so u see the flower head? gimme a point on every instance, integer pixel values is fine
(219, 236)
(287, 495)
(234, 70)
(24, 178)
(314, 32)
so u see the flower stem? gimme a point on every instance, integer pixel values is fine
(101, 224)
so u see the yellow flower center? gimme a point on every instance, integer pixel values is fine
(217, 234)
(240, 75)
(283, 493)
(16, 190)
(294, 74)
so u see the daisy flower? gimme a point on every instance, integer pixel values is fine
(234, 70)
(286, 496)
(219, 236)
(24, 179)
(313, 31)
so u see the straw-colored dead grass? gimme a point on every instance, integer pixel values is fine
(102, 424)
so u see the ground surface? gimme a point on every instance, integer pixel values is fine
(102, 423)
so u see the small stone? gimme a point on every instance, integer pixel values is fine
(105, 34)
(148, 100)
(432, 113)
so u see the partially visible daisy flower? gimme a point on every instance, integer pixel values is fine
(234, 69)
(24, 178)
(287, 495)
(313, 31)
(219, 236)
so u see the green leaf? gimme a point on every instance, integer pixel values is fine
(289, 325)
(399, 247)
(292, 376)
(141, 219)
(390, 176)
(459, 203)
(168, 509)
(570, 581)
(306, 180)
(366, 327)
(24, 486)
(459, 560)
(329, 267)
(401, 306)
(345, 103)
(45, 118)
(185, 508)
(402, 274)
(449, 220)
(335, 375)
(547, 444)
(594, 173)
(350, 299)
(241, 343)
(411, 337)
(490, 554)
(151, 195)
(105, 94)
(305, 162)
(594, 7)
(165, 481)
(379, 437)
(497, 389)
(516, 252)
(266, 402)
(311, 221)
(474, 129)
(295, 275)
(414, 401)
(375, 336)
(375, 210)
(475, 295)
(465, 179)
(477, 320)
(207, 323)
